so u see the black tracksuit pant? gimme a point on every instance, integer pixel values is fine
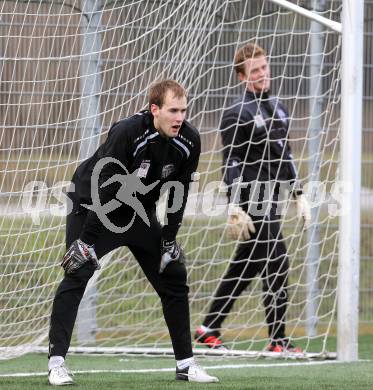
(264, 255)
(144, 243)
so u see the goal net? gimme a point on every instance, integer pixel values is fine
(69, 69)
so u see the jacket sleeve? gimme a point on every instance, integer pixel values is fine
(235, 134)
(116, 149)
(293, 176)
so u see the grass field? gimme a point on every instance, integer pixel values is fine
(128, 372)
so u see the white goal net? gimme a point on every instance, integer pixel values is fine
(69, 69)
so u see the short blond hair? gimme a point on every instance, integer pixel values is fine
(158, 91)
(250, 50)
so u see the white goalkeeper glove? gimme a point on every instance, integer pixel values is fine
(77, 255)
(170, 251)
(303, 210)
(240, 224)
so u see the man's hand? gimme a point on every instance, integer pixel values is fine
(77, 255)
(240, 224)
(170, 251)
(303, 210)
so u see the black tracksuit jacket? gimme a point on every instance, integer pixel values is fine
(137, 145)
(255, 141)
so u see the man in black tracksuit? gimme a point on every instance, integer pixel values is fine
(256, 151)
(141, 154)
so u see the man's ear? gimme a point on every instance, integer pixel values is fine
(242, 77)
(154, 109)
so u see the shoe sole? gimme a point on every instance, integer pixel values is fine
(61, 384)
(185, 377)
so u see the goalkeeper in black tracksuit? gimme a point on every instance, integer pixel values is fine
(122, 181)
(256, 151)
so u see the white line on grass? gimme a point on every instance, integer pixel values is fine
(146, 371)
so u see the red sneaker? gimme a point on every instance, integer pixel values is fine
(282, 345)
(209, 339)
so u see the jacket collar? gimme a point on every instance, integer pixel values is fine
(257, 95)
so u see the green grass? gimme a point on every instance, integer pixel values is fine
(355, 376)
(258, 374)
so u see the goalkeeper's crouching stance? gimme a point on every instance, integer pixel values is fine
(140, 155)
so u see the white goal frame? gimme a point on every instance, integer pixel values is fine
(352, 31)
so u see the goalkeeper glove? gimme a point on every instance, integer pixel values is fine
(170, 251)
(240, 224)
(77, 255)
(303, 209)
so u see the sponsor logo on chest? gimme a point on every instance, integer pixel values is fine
(143, 170)
(259, 121)
(167, 170)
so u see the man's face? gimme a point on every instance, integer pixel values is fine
(169, 118)
(257, 74)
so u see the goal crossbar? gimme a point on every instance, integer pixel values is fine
(331, 24)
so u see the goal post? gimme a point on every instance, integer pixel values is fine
(351, 137)
(352, 31)
(68, 71)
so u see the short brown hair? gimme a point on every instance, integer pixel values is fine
(158, 91)
(250, 50)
